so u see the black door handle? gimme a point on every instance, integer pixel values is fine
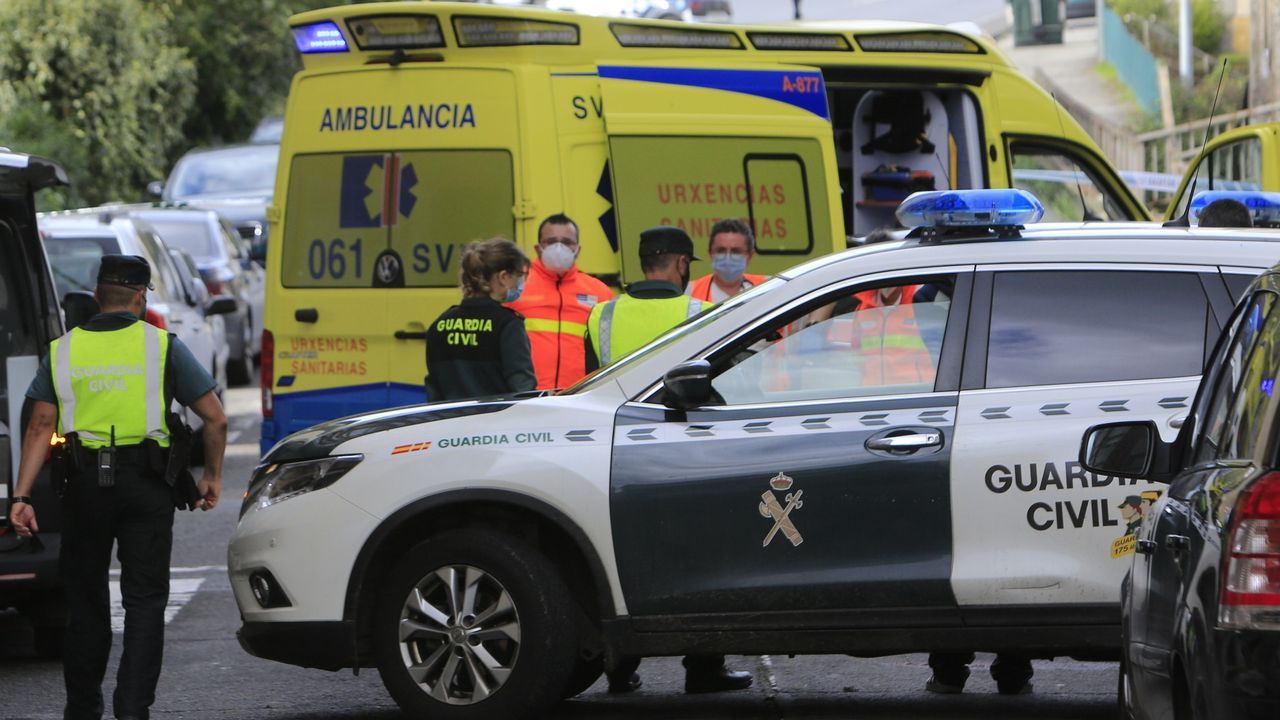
(411, 335)
(1177, 543)
(306, 315)
(1145, 547)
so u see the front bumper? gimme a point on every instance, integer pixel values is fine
(327, 645)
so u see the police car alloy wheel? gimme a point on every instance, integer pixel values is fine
(475, 624)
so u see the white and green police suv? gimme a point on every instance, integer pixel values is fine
(872, 453)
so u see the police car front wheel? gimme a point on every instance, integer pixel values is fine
(474, 624)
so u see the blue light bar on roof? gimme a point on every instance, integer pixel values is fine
(1264, 207)
(321, 37)
(1005, 207)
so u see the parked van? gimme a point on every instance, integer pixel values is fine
(416, 128)
(30, 319)
(1235, 160)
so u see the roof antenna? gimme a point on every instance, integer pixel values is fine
(1184, 220)
(1086, 216)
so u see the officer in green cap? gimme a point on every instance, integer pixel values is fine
(107, 387)
(651, 306)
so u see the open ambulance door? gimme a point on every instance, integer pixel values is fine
(690, 145)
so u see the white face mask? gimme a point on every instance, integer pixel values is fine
(558, 258)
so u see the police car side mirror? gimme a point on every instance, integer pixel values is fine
(687, 385)
(1127, 449)
(77, 307)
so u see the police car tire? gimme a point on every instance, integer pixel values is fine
(543, 604)
(48, 641)
(585, 674)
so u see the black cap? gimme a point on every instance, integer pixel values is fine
(664, 240)
(130, 270)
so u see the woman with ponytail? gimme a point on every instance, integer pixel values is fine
(479, 348)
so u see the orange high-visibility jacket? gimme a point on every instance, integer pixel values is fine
(701, 288)
(555, 310)
(892, 349)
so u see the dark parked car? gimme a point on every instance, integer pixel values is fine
(29, 320)
(1201, 603)
(236, 180)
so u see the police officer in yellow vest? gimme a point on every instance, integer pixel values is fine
(651, 306)
(648, 309)
(108, 386)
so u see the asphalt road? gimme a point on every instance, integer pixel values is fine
(208, 677)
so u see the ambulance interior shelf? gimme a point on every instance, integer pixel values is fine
(892, 142)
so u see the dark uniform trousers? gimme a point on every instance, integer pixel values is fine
(137, 513)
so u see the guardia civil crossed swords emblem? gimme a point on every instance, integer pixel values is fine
(771, 508)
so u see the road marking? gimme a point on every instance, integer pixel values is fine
(181, 590)
(204, 569)
(233, 436)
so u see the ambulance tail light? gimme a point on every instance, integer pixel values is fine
(267, 371)
(321, 37)
(156, 319)
(990, 208)
(1250, 594)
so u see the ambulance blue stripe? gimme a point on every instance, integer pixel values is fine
(801, 89)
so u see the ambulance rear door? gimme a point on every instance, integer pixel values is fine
(690, 145)
(390, 174)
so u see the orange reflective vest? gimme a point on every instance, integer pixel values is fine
(892, 350)
(555, 310)
(701, 288)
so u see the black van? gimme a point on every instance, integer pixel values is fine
(29, 319)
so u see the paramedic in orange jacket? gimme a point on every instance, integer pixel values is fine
(888, 338)
(556, 303)
(731, 248)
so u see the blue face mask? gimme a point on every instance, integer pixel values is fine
(729, 268)
(513, 294)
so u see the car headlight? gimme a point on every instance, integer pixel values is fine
(277, 482)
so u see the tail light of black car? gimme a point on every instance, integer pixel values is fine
(1250, 591)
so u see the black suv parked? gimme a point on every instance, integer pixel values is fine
(29, 319)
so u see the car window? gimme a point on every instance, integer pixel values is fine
(1234, 166)
(229, 172)
(75, 260)
(865, 340)
(194, 237)
(1058, 177)
(163, 276)
(1048, 328)
(1224, 413)
(17, 316)
(1237, 284)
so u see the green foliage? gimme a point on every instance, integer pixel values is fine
(1208, 25)
(117, 90)
(1158, 9)
(93, 82)
(1197, 102)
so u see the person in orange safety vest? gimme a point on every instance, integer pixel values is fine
(888, 339)
(731, 247)
(556, 303)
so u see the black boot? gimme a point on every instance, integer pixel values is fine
(707, 674)
(624, 678)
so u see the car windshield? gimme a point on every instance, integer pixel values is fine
(694, 323)
(198, 238)
(249, 170)
(74, 260)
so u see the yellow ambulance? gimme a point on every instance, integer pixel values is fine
(1238, 159)
(415, 128)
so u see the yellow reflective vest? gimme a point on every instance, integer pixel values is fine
(626, 323)
(111, 379)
